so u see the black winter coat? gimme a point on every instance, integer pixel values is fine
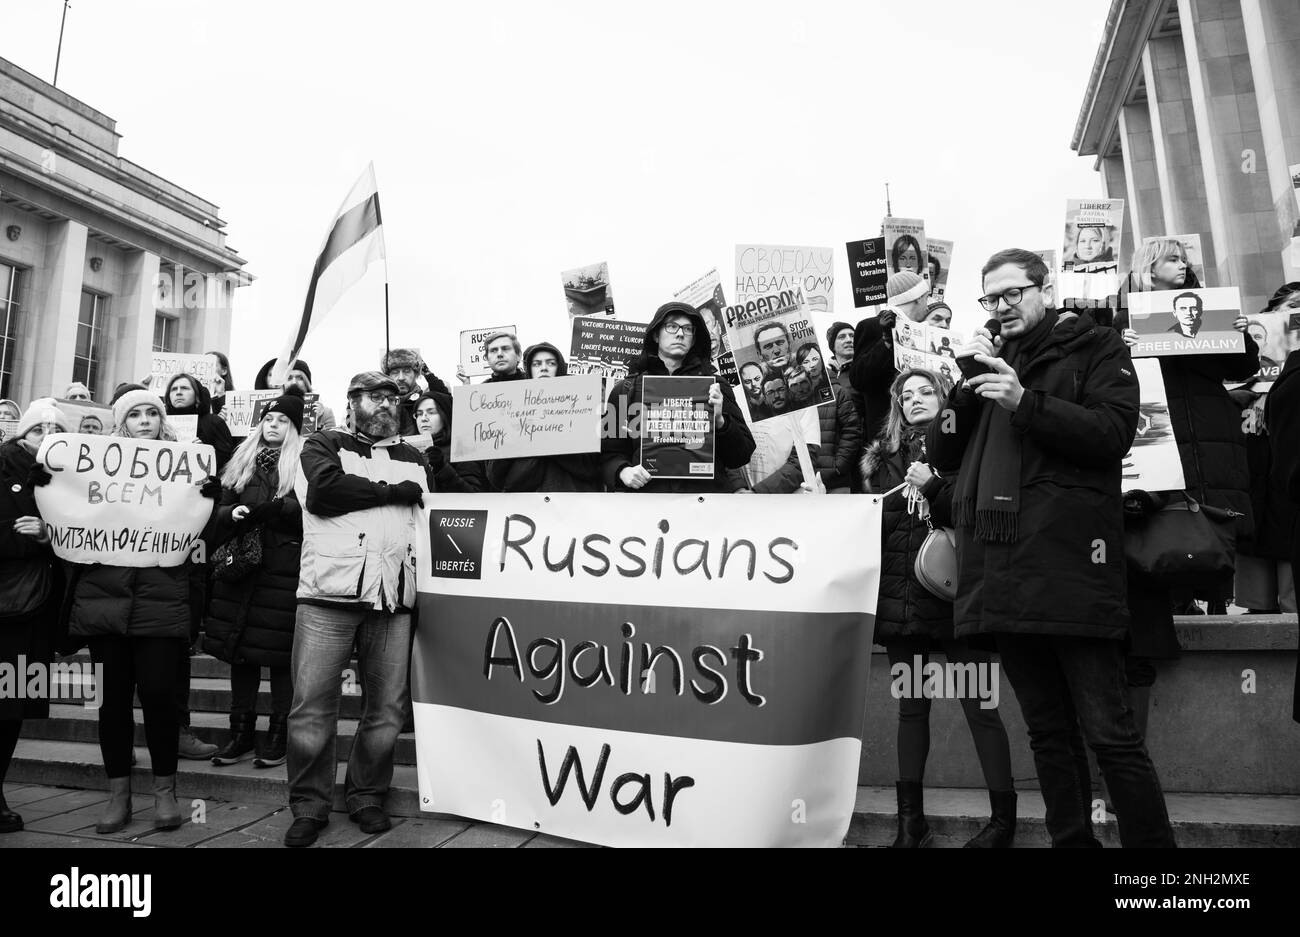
(842, 442)
(450, 476)
(212, 429)
(138, 602)
(735, 443)
(872, 373)
(1064, 575)
(905, 608)
(252, 620)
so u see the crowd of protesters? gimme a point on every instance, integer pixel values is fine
(312, 537)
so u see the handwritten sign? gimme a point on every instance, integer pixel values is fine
(605, 346)
(517, 419)
(124, 502)
(241, 409)
(677, 437)
(186, 426)
(472, 360)
(166, 365)
(762, 269)
(8, 429)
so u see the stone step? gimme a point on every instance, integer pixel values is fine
(955, 815)
(212, 694)
(73, 723)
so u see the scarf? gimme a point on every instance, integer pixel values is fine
(988, 492)
(267, 459)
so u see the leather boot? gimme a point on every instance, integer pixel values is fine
(1001, 829)
(117, 813)
(166, 812)
(242, 726)
(272, 751)
(913, 830)
(10, 822)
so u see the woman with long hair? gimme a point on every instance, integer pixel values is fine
(250, 619)
(31, 581)
(912, 623)
(136, 622)
(906, 254)
(1162, 264)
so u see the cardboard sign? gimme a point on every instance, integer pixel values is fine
(85, 416)
(518, 419)
(8, 429)
(241, 411)
(917, 345)
(673, 671)
(764, 269)
(677, 427)
(940, 262)
(186, 426)
(1278, 335)
(165, 366)
(1153, 464)
(587, 290)
(124, 502)
(906, 247)
(472, 360)
(1089, 254)
(605, 346)
(779, 351)
(1186, 322)
(868, 271)
(705, 294)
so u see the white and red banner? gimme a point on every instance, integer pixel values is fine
(645, 670)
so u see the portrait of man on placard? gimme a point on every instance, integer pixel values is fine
(1189, 311)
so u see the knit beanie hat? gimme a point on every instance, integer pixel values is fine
(905, 287)
(132, 399)
(400, 358)
(833, 331)
(291, 404)
(41, 410)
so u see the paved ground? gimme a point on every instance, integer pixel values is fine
(63, 817)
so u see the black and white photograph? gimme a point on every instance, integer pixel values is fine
(1188, 322)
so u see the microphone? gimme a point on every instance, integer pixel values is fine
(967, 364)
(994, 326)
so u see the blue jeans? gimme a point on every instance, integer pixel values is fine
(1065, 684)
(322, 646)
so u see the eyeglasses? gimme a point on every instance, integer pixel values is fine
(378, 396)
(1012, 296)
(907, 396)
(679, 328)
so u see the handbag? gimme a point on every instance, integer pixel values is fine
(1185, 543)
(936, 562)
(235, 559)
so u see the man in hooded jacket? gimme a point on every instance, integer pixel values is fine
(677, 344)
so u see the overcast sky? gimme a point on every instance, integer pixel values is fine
(514, 140)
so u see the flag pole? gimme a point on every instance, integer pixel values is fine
(388, 347)
(59, 55)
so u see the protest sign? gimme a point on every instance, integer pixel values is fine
(1089, 268)
(1186, 322)
(186, 426)
(705, 294)
(1191, 249)
(472, 359)
(765, 269)
(8, 429)
(241, 411)
(1153, 464)
(917, 345)
(519, 419)
(587, 290)
(601, 645)
(85, 416)
(124, 502)
(677, 428)
(868, 271)
(1049, 258)
(166, 365)
(940, 262)
(906, 247)
(774, 336)
(1278, 336)
(1295, 185)
(605, 346)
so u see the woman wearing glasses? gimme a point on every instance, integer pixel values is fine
(912, 623)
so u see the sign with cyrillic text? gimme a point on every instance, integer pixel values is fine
(519, 419)
(166, 365)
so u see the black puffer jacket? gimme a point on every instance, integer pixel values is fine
(735, 443)
(1076, 423)
(138, 602)
(905, 608)
(872, 372)
(25, 565)
(842, 442)
(252, 620)
(212, 429)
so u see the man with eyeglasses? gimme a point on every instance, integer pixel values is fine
(1038, 443)
(359, 492)
(677, 343)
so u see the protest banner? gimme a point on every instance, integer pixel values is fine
(1153, 464)
(166, 365)
(1089, 268)
(124, 502)
(571, 655)
(775, 335)
(1191, 244)
(605, 346)
(1278, 336)
(917, 345)
(519, 419)
(868, 271)
(241, 411)
(766, 269)
(472, 359)
(677, 430)
(940, 262)
(1186, 322)
(906, 247)
(705, 294)
(587, 290)
(85, 416)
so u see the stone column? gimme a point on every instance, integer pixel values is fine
(136, 307)
(1176, 144)
(1145, 205)
(59, 285)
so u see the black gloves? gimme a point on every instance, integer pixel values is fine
(38, 476)
(407, 492)
(435, 458)
(264, 512)
(211, 488)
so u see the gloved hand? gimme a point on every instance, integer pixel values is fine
(264, 512)
(1138, 503)
(38, 476)
(435, 458)
(407, 492)
(211, 488)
